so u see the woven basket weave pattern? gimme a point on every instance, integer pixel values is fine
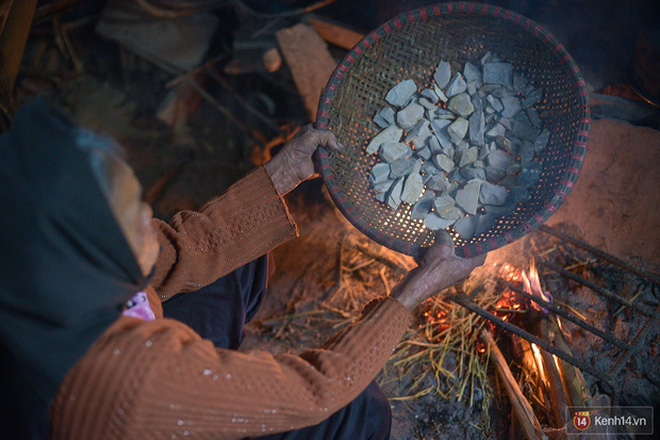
(410, 47)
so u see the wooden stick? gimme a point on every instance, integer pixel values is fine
(335, 33)
(394, 260)
(14, 37)
(521, 407)
(156, 189)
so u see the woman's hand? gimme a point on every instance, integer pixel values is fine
(438, 269)
(293, 163)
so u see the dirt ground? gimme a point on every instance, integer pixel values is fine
(615, 204)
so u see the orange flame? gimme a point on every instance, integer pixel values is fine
(532, 282)
(539, 362)
(532, 285)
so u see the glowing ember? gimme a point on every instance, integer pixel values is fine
(509, 273)
(509, 302)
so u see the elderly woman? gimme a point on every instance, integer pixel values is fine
(86, 274)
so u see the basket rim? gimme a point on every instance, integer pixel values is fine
(568, 178)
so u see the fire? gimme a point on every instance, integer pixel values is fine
(529, 280)
(532, 285)
(508, 303)
(539, 362)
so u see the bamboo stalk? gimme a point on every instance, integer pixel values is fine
(531, 364)
(521, 407)
(574, 382)
(559, 401)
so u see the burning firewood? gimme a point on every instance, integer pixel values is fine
(553, 377)
(574, 383)
(521, 407)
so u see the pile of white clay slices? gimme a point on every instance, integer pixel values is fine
(462, 152)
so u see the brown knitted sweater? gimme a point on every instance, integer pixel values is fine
(159, 379)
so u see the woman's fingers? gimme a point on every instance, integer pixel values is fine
(328, 140)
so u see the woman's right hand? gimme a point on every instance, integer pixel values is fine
(293, 164)
(438, 269)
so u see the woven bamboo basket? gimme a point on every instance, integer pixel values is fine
(409, 47)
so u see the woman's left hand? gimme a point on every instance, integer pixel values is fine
(293, 164)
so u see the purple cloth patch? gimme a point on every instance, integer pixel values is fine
(138, 307)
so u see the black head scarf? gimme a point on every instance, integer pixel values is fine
(66, 267)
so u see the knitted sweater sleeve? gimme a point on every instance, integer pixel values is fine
(159, 379)
(245, 222)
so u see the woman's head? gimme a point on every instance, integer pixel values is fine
(133, 214)
(124, 193)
